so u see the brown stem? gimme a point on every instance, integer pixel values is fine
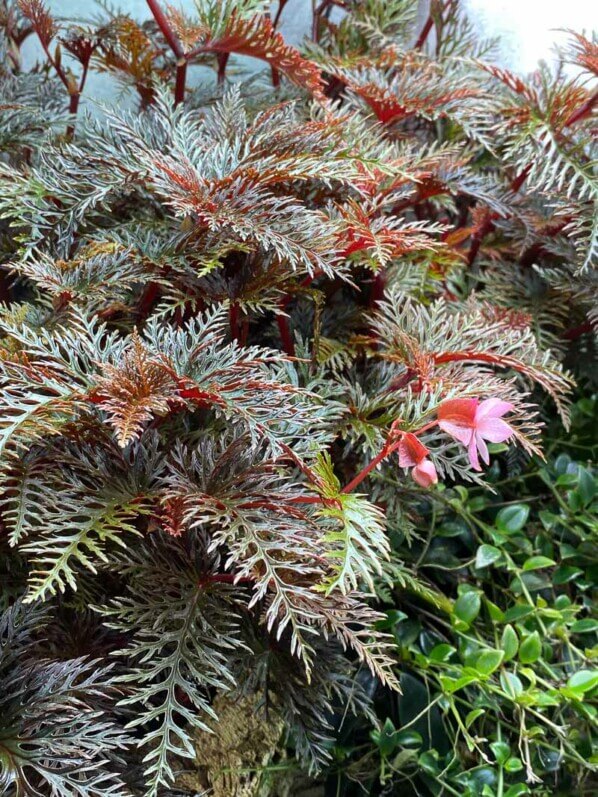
(317, 12)
(57, 68)
(279, 10)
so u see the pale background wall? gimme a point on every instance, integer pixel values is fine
(527, 29)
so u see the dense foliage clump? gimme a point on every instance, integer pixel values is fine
(266, 342)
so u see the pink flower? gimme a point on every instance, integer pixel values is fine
(472, 422)
(424, 473)
(413, 454)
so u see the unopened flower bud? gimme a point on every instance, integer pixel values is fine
(424, 473)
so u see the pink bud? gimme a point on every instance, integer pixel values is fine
(425, 474)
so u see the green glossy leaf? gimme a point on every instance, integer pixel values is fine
(583, 681)
(487, 555)
(537, 563)
(467, 607)
(501, 751)
(509, 642)
(518, 612)
(566, 573)
(586, 487)
(385, 739)
(517, 790)
(512, 518)
(441, 652)
(586, 626)
(530, 649)
(450, 685)
(472, 716)
(511, 684)
(488, 661)
(409, 739)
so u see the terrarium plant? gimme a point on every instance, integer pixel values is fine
(251, 328)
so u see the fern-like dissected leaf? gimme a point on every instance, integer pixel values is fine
(271, 541)
(79, 525)
(45, 376)
(226, 315)
(135, 391)
(241, 384)
(81, 509)
(428, 340)
(356, 539)
(21, 492)
(184, 633)
(288, 554)
(57, 732)
(100, 273)
(238, 27)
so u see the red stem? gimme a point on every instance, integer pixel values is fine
(377, 290)
(175, 46)
(477, 239)
(577, 332)
(75, 98)
(425, 32)
(167, 32)
(233, 317)
(222, 59)
(386, 451)
(225, 578)
(179, 86)
(583, 111)
(4, 287)
(147, 300)
(520, 179)
(391, 445)
(285, 334)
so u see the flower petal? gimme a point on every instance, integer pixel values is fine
(494, 430)
(492, 408)
(411, 451)
(472, 452)
(461, 432)
(458, 410)
(482, 448)
(425, 474)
